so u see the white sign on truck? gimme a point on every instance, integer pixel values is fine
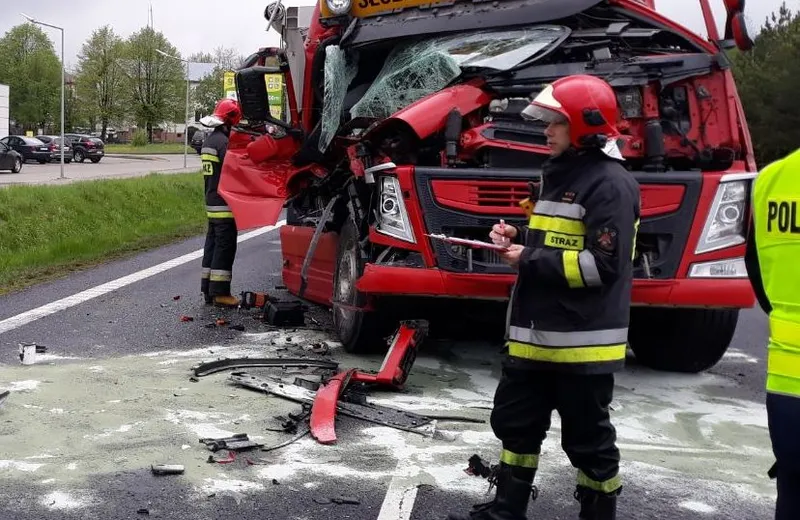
(4, 111)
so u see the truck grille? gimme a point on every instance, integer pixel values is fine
(478, 196)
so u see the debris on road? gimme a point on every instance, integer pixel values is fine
(233, 363)
(167, 469)
(238, 442)
(3, 396)
(285, 313)
(186, 318)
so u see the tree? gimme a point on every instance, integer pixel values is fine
(30, 67)
(210, 89)
(156, 82)
(768, 79)
(100, 80)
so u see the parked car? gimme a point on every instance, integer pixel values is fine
(86, 147)
(30, 148)
(52, 142)
(10, 159)
(197, 139)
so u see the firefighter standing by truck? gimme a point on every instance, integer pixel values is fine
(221, 238)
(773, 246)
(569, 309)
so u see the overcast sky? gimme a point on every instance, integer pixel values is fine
(201, 25)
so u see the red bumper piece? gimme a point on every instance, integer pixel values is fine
(393, 373)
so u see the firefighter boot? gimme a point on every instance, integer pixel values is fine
(510, 501)
(226, 301)
(596, 505)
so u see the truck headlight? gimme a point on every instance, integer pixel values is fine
(338, 7)
(728, 268)
(725, 223)
(392, 214)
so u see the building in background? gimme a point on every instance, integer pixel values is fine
(4, 111)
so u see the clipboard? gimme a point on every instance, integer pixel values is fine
(469, 243)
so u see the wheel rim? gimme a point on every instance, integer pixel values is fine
(79, 156)
(345, 290)
(17, 165)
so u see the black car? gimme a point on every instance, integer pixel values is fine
(30, 148)
(86, 147)
(10, 159)
(198, 137)
(52, 142)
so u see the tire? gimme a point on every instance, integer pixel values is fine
(95, 160)
(78, 156)
(17, 167)
(681, 340)
(358, 331)
(43, 162)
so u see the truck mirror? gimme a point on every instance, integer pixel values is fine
(260, 91)
(738, 30)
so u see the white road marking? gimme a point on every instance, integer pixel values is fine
(398, 503)
(70, 301)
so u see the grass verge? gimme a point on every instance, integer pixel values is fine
(47, 231)
(150, 149)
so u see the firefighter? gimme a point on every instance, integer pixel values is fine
(568, 315)
(221, 238)
(773, 241)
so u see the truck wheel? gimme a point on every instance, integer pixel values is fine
(359, 331)
(681, 340)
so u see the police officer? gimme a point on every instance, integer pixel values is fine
(221, 238)
(568, 315)
(773, 247)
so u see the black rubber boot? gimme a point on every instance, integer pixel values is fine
(596, 505)
(509, 503)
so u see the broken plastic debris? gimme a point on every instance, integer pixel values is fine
(187, 318)
(167, 469)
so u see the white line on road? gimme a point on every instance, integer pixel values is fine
(398, 504)
(70, 301)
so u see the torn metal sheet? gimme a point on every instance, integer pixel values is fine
(232, 363)
(402, 420)
(323, 412)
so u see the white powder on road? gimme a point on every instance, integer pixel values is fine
(23, 386)
(19, 465)
(63, 500)
(225, 484)
(697, 507)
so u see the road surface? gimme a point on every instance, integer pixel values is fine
(112, 166)
(112, 395)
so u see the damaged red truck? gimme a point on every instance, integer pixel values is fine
(400, 118)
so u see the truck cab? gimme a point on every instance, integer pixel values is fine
(376, 124)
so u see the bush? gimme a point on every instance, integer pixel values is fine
(139, 138)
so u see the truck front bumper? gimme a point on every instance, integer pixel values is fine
(409, 281)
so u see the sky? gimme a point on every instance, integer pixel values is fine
(201, 25)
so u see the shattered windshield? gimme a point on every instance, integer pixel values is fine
(416, 69)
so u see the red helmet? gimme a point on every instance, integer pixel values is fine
(587, 103)
(228, 111)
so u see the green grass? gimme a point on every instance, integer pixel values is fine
(167, 148)
(47, 231)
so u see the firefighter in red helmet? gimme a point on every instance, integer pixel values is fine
(221, 238)
(568, 314)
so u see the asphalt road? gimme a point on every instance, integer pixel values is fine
(112, 396)
(112, 166)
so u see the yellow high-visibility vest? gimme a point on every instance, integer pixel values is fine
(776, 214)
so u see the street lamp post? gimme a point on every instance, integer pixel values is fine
(63, 142)
(186, 122)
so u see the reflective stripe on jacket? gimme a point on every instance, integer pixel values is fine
(569, 309)
(776, 215)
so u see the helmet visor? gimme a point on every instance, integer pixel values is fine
(539, 113)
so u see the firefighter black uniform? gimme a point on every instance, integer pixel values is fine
(569, 310)
(773, 246)
(221, 237)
